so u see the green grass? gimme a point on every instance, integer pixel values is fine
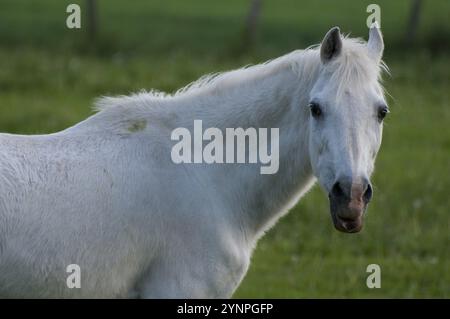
(49, 76)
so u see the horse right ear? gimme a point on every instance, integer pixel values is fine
(375, 45)
(331, 45)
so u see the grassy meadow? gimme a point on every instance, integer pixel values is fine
(49, 76)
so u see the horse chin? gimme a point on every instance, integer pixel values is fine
(348, 225)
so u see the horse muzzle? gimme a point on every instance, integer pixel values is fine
(348, 202)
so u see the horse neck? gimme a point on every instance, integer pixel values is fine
(273, 97)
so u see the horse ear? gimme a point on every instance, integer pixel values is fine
(375, 45)
(331, 45)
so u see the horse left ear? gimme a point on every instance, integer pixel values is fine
(331, 45)
(375, 45)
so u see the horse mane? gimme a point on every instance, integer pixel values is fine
(204, 83)
(352, 68)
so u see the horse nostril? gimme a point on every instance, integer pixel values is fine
(337, 190)
(368, 193)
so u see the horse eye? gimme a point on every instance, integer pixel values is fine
(315, 109)
(382, 112)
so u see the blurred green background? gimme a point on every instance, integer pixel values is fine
(50, 74)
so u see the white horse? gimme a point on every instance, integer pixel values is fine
(105, 194)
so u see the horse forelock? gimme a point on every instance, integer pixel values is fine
(355, 69)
